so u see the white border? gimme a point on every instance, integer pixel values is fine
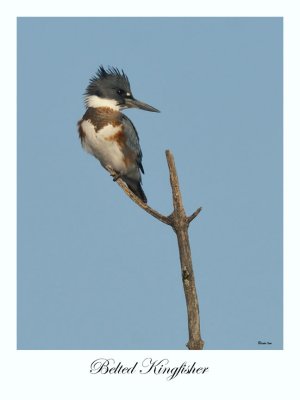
(65, 374)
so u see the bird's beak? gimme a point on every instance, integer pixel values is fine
(133, 103)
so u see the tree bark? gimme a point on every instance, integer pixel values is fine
(180, 224)
(179, 221)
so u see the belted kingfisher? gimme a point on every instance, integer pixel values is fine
(108, 134)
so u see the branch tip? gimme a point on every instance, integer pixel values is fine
(194, 215)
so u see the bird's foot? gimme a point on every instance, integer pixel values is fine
(113, 173)
(116, 176)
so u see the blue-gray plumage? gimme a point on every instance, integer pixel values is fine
(107, 133)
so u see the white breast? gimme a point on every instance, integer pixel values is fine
(107, 152)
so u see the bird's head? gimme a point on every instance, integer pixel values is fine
(111, 88)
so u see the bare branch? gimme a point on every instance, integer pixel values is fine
(177, 199)
(180, 223)
(137, 200)
(194, 215)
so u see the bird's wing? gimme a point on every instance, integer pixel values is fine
(132, 140)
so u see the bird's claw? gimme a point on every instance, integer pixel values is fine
(116, 177)
(113, 173)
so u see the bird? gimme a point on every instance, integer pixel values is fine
(107, 133)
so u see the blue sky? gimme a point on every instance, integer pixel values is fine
(95, 271)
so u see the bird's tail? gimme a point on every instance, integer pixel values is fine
(135, 187)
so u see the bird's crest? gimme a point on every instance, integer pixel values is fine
(111, 73)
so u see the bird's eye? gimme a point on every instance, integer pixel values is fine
(120, 92)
